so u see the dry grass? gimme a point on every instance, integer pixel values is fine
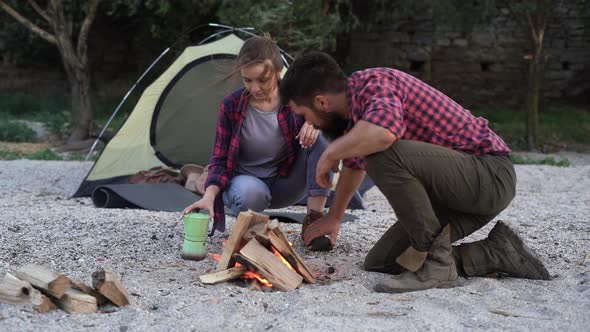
(26, 148)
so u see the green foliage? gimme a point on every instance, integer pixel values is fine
(44, 155)
(520, 160)
(559, 124)
(165, 20)
(9, 155)
(397, 13)
(28, 107)
(296, 25)
(12, 131)
(59, 123)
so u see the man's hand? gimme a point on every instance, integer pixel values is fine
(308, 135)
(326, 225)
(325, 165)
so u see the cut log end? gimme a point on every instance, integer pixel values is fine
(107, 284)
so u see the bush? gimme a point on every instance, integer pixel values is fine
(520, 160)
(59, 124)
(11, 131)
(44, 155)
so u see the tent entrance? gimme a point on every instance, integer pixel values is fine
(182, 130)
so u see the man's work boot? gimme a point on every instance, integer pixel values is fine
(438, 270)
(321, 243)
(503, 251)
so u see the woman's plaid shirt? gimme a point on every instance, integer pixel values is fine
(224, 160)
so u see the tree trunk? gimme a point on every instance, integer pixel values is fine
(533, 96)
(82, 115)
(60, 18)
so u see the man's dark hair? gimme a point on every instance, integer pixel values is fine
(310, 74)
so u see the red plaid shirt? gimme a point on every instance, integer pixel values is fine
(413, 110)
(224, 161)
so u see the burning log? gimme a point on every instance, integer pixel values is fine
(270, 266)
(279, 241)
(221, 276)
(244, 221)
(258, 249)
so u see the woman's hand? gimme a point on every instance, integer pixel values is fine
(206, 203)
(307, 135)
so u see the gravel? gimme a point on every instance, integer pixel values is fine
(39, 223)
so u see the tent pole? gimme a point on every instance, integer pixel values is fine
(122, 102)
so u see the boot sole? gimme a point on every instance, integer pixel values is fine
(524, 250)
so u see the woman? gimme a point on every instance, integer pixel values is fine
(264, 156)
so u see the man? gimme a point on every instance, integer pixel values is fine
(444, 172)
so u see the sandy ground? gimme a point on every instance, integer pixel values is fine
(39, 224)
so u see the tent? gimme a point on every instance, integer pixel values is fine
(172, 124)
(174, 120)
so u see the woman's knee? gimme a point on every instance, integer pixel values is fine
(248, 193)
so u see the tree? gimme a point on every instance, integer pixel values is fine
(534, 14)
(295, 24)
(61, 18)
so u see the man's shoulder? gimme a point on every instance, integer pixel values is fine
(377, 71)
(373, 75)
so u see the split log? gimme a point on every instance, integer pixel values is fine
(263, 239)
(254, 230)
(270, 266)
(86, 289)
(244, 221)
(221, 276)
(40, 301)
(76, 302)
(107, 284)
(15, 291)
(281, 244)
(43, 278)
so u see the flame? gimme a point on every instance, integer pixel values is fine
(278, 254)
(216, 257)
(257, 276)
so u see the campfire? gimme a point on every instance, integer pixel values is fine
(257, 249)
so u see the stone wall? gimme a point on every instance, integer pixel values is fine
(483, 65)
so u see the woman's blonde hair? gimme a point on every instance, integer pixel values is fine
(258, 49)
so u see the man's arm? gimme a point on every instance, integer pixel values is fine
(348, 182)
(362, 140)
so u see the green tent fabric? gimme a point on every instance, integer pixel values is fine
(174, 120)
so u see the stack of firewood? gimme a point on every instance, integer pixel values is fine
(45, 290)
(258, 245)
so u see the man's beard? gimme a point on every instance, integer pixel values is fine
(332, 126)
